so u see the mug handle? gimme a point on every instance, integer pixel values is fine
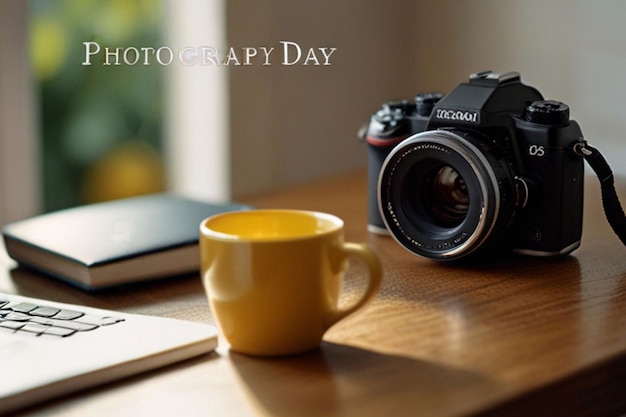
(371, 260)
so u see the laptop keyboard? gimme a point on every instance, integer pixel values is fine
(41, 320)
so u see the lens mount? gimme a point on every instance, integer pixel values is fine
(443, 196)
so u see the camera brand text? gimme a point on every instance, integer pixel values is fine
(457, 115)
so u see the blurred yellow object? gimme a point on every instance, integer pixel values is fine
(117, 19)
(131, 169)
(48, 47)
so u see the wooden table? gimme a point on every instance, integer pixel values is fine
(521, 336)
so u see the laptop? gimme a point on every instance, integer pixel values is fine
(48, 349)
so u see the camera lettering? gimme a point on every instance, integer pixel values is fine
(457, 115)
(431, 146)
(536, 150)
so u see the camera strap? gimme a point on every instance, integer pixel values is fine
(610, 201)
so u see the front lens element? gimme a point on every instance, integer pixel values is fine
(444, 196)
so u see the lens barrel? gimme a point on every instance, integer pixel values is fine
(445, 194)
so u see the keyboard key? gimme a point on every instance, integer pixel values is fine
(34, 328)
(17, 316)
(58, 331)
(23, 307)
(44, 311)
(14, 325)
(68, 315)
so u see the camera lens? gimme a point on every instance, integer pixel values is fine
(445, 194)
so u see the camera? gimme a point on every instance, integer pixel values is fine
(489, 166)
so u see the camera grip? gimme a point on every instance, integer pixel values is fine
(371, 260)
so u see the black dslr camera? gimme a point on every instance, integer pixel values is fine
(490, 165)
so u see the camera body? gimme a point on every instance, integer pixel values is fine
(489, 165)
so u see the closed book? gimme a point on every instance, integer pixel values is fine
(116, 242)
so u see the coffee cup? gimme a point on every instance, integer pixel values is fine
(274, 277)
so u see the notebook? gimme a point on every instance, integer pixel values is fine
(115, 242)
(48, 349)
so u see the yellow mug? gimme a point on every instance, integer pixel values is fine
(273, 277)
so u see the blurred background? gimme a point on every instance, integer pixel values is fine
(72, 134)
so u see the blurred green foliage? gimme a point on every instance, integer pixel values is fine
(88, 113)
